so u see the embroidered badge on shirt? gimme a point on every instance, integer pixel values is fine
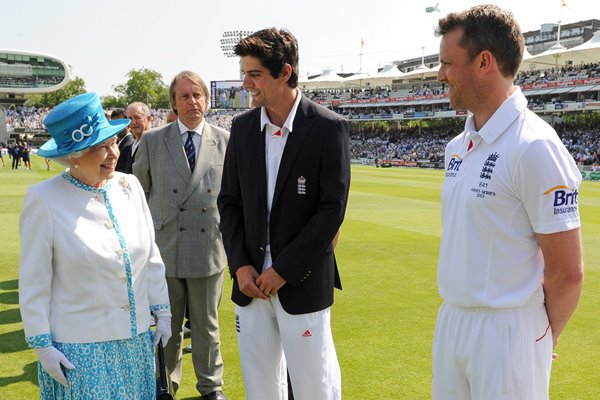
(302, 185)
(488, 166)
(125, 186)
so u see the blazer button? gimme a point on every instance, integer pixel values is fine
(202, 230)
(261, 249)
(108, 224)
(204, 210)
(119, 252)
(174, 190)
(181, 229)
(209, 190)
(181, 209)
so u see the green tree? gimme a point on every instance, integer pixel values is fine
(109, 102)
(145, 85)
(73, 88)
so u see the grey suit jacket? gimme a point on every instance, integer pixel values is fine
(184, 205)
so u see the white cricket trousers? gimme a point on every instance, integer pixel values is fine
(482, 353)
(271, 340)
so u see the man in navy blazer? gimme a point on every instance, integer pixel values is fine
(125, 140)
(283, 197)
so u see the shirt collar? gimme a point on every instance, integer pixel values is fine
(501, 120)
(184, 129)
(289, 122)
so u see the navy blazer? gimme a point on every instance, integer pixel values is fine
(125, 161)
(303, 222)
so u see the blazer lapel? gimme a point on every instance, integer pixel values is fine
(302, 125)
(172, 140)
(255, 145)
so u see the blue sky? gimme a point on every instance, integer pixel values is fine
(104, 40)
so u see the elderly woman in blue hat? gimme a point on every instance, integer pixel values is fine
(90, 271)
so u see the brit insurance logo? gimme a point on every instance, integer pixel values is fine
(564, 199)
(453, 166)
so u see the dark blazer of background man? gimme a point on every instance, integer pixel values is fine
(124, 140)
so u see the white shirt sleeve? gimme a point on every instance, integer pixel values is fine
(547, 180)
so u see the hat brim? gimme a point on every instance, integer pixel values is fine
(51, 150)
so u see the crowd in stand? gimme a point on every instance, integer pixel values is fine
(433, 88)
(26, 118)
(410, 145)
(405, 144)
(565, 73)
(31, 118)
(582, 143)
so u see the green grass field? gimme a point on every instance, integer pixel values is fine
(384, 318)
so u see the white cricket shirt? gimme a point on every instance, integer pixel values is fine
(518, 179)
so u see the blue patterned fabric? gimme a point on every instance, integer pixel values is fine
(104, 191)
(159, 307)
(39, 341)
(112, 370)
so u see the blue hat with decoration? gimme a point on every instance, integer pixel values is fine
(77, 124)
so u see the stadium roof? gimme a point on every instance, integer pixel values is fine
(558, 55)
(23, 72)
(327, 80)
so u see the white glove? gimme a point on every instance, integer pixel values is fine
(163, 328)
(51, 360)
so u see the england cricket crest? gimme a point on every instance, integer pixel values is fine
(302, 185)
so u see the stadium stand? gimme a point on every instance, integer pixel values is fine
(581, 84)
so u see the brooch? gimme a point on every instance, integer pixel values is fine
(125, 186)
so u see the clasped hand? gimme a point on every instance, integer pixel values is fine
(258, 286)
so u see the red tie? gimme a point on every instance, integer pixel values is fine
(470, 145)
(278, 133)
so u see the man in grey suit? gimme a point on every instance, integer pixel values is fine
(180, 167)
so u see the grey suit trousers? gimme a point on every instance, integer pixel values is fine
(203, 296)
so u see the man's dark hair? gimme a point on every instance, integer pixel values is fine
(274, 48)
(118, 113)
(487, 27)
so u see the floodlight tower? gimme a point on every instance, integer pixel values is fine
(228, 42)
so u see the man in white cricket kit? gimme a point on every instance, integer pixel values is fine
(510, 269)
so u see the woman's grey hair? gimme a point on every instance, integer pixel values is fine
(68, 160)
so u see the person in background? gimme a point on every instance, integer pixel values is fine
(26, 155)
(2, 153)
(179, 166)
(141, 121)
(16, 155)
(90, 273)
(510, 269)
(124, 140)
(171, 117)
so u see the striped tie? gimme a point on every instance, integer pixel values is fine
(190, 150)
